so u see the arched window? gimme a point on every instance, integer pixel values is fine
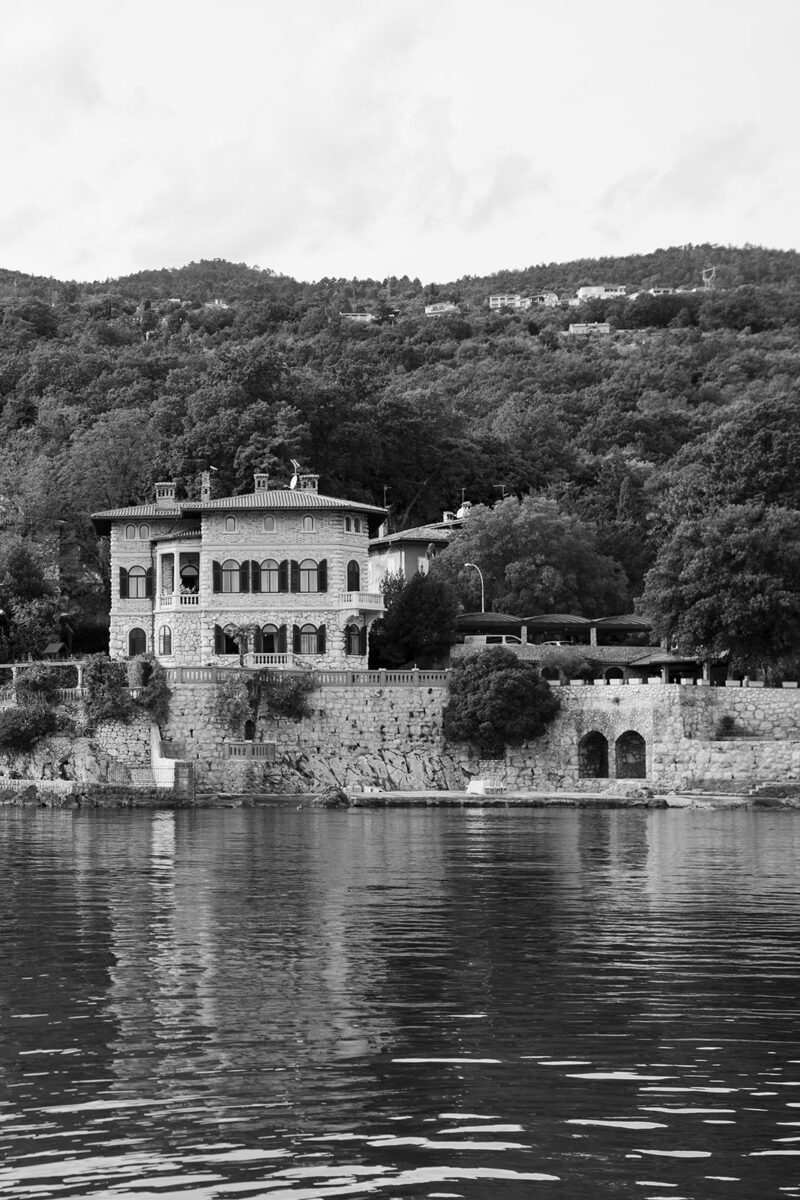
(308, 524)
(137, 642)
(230, 576)
(309, 578)
(144, 532)
(230, 644)
(269, 575)
(308, 639)
(130, 532)
(631, 756)
(165, 640)
(615, 673)
(357, 525)
(593, 756)
(269, 524)
(230, 524)
(354, 640)
(137, 583)
(353, 576)
(267, 640)
(348, 524)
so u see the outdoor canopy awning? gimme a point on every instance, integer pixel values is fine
(630, 623)
(488, 622)
(545, 621)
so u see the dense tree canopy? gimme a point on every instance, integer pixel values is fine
(534, 558)
(691, 403)
(729, 583)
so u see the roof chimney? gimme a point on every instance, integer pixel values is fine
(261, 481)
(205, 486)
(308, 483)
(165, 494)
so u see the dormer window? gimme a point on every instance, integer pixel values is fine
(230, 524)
(308, 525)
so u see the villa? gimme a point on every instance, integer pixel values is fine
(272, 577)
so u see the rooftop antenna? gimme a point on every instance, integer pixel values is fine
(463, 494)
(709, 275)
(296, 468)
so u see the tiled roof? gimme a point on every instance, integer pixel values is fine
(274, 498)
(280, 498)
(172, 513)
(439, 532)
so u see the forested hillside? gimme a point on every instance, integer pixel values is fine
(691, 404)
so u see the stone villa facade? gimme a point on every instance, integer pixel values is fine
(273, 577)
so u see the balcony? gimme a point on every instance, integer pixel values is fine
(364, 601)
(178, 600)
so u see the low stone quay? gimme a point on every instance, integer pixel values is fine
(82, 797)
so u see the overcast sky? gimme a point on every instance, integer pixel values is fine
(376, 137)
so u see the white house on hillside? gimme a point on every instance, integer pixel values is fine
(274, 576)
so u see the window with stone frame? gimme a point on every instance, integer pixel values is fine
(231, 579)
(270, 574)
(309, 577)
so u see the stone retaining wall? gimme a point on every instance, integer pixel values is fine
(391, 738)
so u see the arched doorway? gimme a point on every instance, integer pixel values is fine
(137, 642)
(593, 756)
(631, 755)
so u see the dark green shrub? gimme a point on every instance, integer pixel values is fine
(108, 697)
(234, 701)
(21, 728)
(147, 674)
(497, 700)
(284, 694)
(44, 682)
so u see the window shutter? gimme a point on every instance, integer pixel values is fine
(244, 576)
(347, 639)
(322, 576)
(283, 576)
(362, 637)
(123, 584)
(282, 640)
(148, 582)
(294, 576)
(321, 640)
(216, 576)
(255, 572)
(219, 638)
(296, 639)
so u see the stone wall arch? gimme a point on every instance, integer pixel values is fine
(630, 755)
(593, 756)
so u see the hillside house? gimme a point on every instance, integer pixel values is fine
(274, 577)
(442, 308)
(510, 300)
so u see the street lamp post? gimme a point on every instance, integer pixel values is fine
(480, 576)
